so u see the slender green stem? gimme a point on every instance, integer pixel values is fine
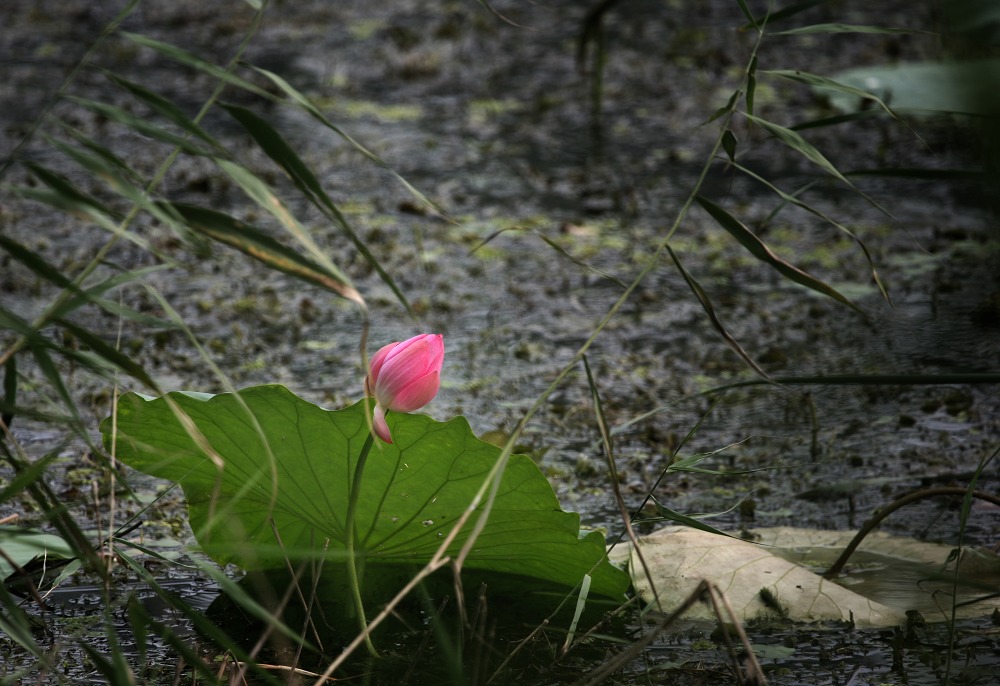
(349, 539)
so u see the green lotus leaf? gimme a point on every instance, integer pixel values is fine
(266, 475)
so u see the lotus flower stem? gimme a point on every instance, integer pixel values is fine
(349, 540)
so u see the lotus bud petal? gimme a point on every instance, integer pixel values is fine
(403, 377)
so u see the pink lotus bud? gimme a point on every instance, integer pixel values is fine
(404, 377)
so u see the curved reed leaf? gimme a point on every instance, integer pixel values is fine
(114, 668)
(793, 199)
(139, 125)
(751, 81)
(760, 250)
(262, 194)
(100, 360)
(165, 108)
(91, 294)
(195, 62)
(728, 108)
(109, 353)
(729, 144)
(125, 183)
(275, 146)
(12, 322)
(42, 268)
(664, 512)
(745, 9)
(67, 197)
(108, 158)
(706, 304)
(306, 104)
(51, 373)
(9, 409)
(29, 475)
(258, 245)
(796, 142)
(36, 263)
(15, 624)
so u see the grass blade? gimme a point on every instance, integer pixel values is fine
(265, 197)
(29, 475)
(672, 515)
(68, 198)
(729, 144)
(763, 253)
(195, 62)
(309, 107)
(165, 108)
(45, 270)
(602, 424)
(64, 196)
(796, 142)
(11, 322)
(128, 185)
(746, 13)
(728, 108)
(109, 158)
(91, 295)
(274, 145)
(258, 245)
(115, 670)
(139, 125)
(15, 624)
(109, 353)
(706, 304)
(793, 199)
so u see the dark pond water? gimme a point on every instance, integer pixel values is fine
(493, 121)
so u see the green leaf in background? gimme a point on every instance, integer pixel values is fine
(958, 86)
(21, 546)
(263, 461)
(33, 560)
